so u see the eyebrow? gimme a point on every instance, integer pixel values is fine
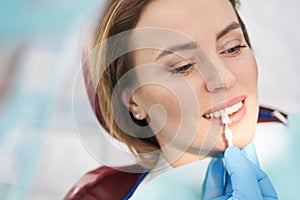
(227, 29)
(176, 48)
(193, 45)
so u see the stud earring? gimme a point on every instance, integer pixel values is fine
(137, 115)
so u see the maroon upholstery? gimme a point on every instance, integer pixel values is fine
(103, 183)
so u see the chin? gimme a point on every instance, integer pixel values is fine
(244, 132)
(243, 143)
(241, 138)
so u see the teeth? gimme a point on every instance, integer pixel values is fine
(229, 110)
(216, 114)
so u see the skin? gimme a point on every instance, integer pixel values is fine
(200, 20)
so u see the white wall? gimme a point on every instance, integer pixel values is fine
(274, 32)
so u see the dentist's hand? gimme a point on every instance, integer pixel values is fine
(245, 181)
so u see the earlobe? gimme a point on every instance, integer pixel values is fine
(131, 103)
(137, 115)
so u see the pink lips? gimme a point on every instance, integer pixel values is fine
(235, 117)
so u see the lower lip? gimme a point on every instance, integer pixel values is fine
(234, 118)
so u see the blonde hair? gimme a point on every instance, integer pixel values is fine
(120, 16)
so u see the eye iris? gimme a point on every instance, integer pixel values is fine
(232, 50)
(183, 68)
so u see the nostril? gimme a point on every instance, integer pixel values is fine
(215, 87)
(219, 89)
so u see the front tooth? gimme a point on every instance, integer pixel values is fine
(216, 114)
(229, 110)
(235, 107)
(240, 104)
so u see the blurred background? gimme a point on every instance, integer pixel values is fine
(41, 154)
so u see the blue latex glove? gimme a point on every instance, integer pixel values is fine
(244, 181)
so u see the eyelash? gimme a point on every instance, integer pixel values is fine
(234, 50)
(185, 69)
(188, 67)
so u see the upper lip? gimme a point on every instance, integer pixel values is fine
(227, 103)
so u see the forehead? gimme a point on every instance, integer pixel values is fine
(198, 19)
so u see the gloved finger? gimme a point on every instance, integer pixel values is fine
(214, 182)
(243, 177)
(266, 187)
(250, 152)
(264, 182)
(228, 185)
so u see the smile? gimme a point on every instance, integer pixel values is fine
(229, 110)
(234, 107)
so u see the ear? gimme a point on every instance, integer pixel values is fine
(131, 102)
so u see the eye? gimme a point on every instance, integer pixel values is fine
(183, 69)
(233, 50)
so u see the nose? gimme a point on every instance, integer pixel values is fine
(217, 76)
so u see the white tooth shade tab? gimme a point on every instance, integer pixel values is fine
(225, 118)
(229, 110)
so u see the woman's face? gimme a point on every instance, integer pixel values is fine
(223, 76)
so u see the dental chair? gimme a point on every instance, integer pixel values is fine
(105, 183)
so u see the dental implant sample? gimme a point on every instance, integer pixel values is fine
(228, 132)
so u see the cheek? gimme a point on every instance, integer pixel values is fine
(247, 73)
(247, 76)
(162, 107)
(175, 110)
